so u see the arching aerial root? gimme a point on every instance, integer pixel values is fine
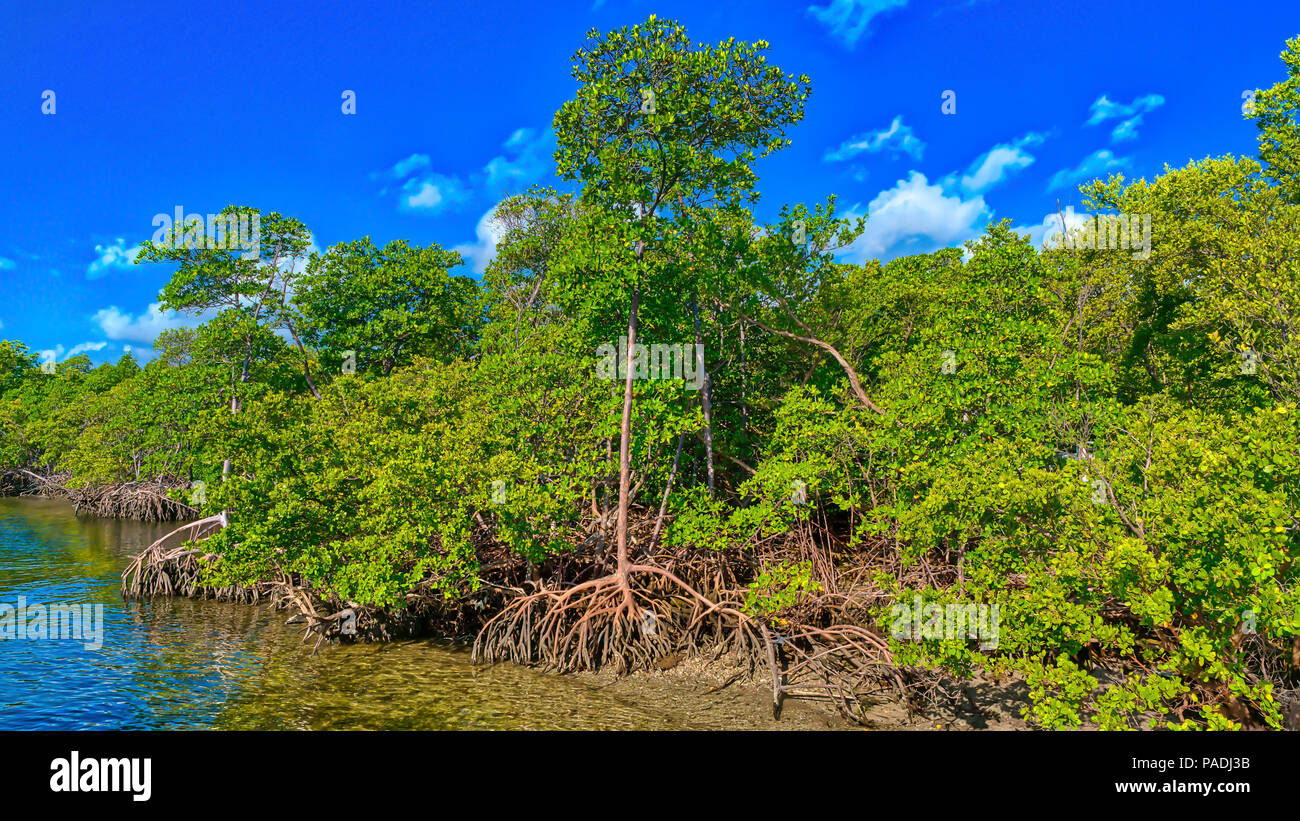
(171, 566)
(627, 622)
(619, 621)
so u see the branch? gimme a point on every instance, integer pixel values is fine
(811, 340)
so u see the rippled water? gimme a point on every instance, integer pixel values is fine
(183, 664)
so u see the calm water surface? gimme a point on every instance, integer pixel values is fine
(183, 664)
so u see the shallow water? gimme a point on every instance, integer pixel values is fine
(183, 664)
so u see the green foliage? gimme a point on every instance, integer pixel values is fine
(779, 588)
(378, 486)
(387, 305)
(1276, 113)
(1071, 436)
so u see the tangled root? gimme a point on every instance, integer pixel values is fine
(23, 482)
(623, 620)
(176, 570)
(845, 663)
(145, 501)
(627, 620)
(609, 621)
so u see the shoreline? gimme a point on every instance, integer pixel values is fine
(700, 683)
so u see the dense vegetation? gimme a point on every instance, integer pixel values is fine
(1106, 448)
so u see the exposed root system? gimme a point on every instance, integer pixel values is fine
(573, 612)
(173, 566)
(146, 501)
(611, 621)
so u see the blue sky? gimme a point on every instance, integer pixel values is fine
(158, 106)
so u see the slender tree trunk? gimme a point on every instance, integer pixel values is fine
(705, 391)
(288, 323)
(668, 489)
(625, 443)
(234, 400)
(234, 408)
(744, 404)
(306, 366)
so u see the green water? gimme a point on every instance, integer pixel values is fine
(183, 664)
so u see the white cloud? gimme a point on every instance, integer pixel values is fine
(117, 325)
(527, 159)
(897, 139)
(86, 346)
(914, 217)
(404, 167)
(849, 20)
(1090, 167)
(6, 264)
(998, 162)
(111, 256)
(422, 191)
(489, 232)
(1131, 114)
(1127, 130)
(430, 193)
(58, 352)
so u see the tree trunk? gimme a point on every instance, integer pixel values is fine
(705, 390)
(668, 488)
(854, 382)
(234, 402)
(306, 366)
(625, 443)
(744, 404)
